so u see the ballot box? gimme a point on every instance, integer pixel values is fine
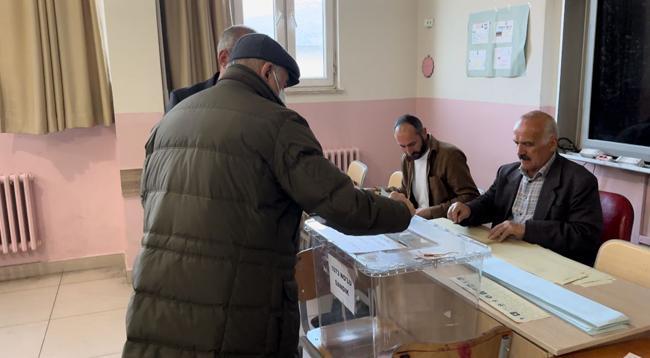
(378, 293)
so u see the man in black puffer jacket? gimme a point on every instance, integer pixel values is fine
(227, 175)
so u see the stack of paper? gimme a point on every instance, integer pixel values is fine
(478, 233)
(503, 300)
(533, 258)
(589, 316)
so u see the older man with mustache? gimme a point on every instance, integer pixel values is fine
(543, 199)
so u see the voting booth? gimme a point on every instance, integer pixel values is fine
(378, 293)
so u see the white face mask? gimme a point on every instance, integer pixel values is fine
(281, 90)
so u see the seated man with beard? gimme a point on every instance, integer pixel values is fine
(435, 173)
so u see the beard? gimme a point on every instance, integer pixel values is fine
(423, 149)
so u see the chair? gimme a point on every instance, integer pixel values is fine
(618, 216)
(625, 260)
(306, 280)
(395, 179)
(357, 172)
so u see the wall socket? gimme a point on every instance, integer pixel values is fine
(428, 23)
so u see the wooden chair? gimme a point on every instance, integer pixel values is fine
(306, 284)
(306, 290)
(625, 260)
(618, 216)
(357, 172)
(395, 179)
(489, 344)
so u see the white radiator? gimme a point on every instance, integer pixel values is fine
(342, 157)
(17, 220)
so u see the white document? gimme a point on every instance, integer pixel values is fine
(341, 283)
(480, 33)
(476, 61)
(588, 315)
(503, 31)
(500, 298)
(354, 244)
(502, 58)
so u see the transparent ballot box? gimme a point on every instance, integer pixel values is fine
(375, 294)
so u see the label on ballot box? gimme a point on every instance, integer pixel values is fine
(342, 283)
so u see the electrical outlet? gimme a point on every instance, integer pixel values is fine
(428, 23)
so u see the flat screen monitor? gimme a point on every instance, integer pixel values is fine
(616, 102)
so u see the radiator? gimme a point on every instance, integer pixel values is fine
(342, 157)
(17, 221)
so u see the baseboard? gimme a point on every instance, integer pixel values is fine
(645, 240)
(15, 272)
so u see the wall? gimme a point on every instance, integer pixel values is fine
(76, 183)
(377, 43)
(477, 114)
(134, 57)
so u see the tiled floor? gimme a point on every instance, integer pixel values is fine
(74, 314)
(69, 315)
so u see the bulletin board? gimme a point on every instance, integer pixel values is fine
(496, 42)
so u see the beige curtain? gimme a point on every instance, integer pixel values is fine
(53, 73)
(190, 30)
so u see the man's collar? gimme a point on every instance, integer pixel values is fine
(432, 142)
(247, 76)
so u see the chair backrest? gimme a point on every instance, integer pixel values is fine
(618, 216)
(625, 260)
(305, 275)
(357, 172)
(488, 344)
(395, 179)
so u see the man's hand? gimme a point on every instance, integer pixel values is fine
(400, 197)
(458, 212)
(507, 229)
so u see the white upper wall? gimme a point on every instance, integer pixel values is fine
(377, 43)
(134, 56)
(381, 45)
(446, 42)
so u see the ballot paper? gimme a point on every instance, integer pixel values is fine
(589, 316)
(533, 258)
(503, 300)
(354, 244)
(478, 233)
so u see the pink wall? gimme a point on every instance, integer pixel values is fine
(132, 132)
(482, 130)
(367, 125)
(76, 189)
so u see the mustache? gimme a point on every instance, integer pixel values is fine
(414, 156)
(523, 157)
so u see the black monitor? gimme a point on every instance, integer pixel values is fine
(616, 98)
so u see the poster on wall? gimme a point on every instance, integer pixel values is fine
(496, 42)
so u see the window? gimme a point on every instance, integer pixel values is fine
(304, 27)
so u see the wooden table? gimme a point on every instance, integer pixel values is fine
(552, 336)
(556, 337)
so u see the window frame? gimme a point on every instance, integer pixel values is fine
(284, 18)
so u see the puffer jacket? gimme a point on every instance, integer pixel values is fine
(226, 176)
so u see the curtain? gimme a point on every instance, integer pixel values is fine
(53, 72)
(190, 31)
